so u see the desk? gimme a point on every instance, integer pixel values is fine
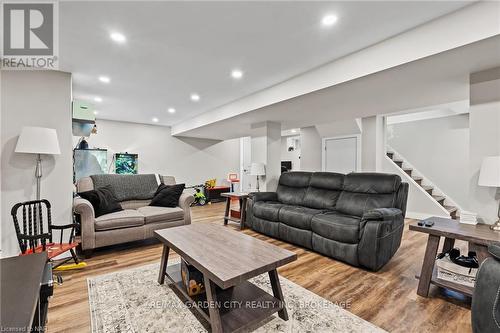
(21, 279)
(479, 237)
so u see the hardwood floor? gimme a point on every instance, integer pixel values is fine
(386, 298)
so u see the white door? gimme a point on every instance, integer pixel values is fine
(245, 162)
(341, 154)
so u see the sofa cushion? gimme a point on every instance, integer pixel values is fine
(298, 216)
(295, 235)
(128, 187)
(267, 210)
(357, 204)
(324, 190)
(123, 219)
(336, 226)
(154, 214)
(102, 200)
(167, 195)
(292, 187)
(368, 182)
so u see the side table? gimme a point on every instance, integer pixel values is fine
(242, 197)
(479, 237)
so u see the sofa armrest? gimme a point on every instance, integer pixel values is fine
(382, 214)
(185, 202)
(84, 208)
(381, 233)
(263, 196)
(494, 250)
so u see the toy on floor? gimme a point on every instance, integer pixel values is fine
(68, 267)
(199, 195)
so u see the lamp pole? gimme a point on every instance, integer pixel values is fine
(38, 175)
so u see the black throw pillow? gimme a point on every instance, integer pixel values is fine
(103, 200)
(167, 195)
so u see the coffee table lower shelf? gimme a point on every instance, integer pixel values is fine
(249, 304)
(466, 290)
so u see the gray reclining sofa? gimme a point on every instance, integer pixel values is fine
(357, 218)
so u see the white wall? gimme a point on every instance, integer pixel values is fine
(310, 152)
(294, 155)
(191, 161)
(419, 205)
(372, 143)
(34, 98)
(439, 149)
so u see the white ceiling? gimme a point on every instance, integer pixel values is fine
(176, 48)
(435, 80)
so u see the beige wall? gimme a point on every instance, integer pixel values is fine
(34, 98)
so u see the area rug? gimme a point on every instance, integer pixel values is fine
(132, 301)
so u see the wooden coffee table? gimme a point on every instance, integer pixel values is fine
(227, 259)
(478, 236)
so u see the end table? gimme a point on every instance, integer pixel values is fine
(478, 236)
(242, 197)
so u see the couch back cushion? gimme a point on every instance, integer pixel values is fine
(324, 190)
(365, 191)
(292, 187)
(128, 187)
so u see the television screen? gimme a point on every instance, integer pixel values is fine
(126, 164)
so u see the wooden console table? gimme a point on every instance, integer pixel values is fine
(479, 237)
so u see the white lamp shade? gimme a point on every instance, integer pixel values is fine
(257, 169)
(490, 172)
(38, 140)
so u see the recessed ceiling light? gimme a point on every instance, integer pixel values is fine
(171, 110)
(98, 99)
(236, 74)
(294, 131)
(195, 97)
(96, 112)
(104, 79)
(155, 120)
(329, 20)
(118, 37)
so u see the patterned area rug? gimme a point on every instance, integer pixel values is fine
(132, 301)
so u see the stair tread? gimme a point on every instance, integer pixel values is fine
(398, 160)
(427, 188)
(417, 178)
(438, 197)
(450, 209)
(407, 169)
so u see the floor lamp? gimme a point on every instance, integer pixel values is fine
(490, 176)
(257, 169)
(38, 140)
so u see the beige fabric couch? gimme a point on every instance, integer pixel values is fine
(136, 222)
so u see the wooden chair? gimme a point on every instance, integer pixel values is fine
(36, 234)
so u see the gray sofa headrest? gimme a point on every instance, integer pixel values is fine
(377, 183)
(295, 179)
(327, 180)
(128, 187)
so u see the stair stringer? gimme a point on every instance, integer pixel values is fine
(421, 205)
(426, 181)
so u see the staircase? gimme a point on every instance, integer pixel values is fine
(452, 210)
